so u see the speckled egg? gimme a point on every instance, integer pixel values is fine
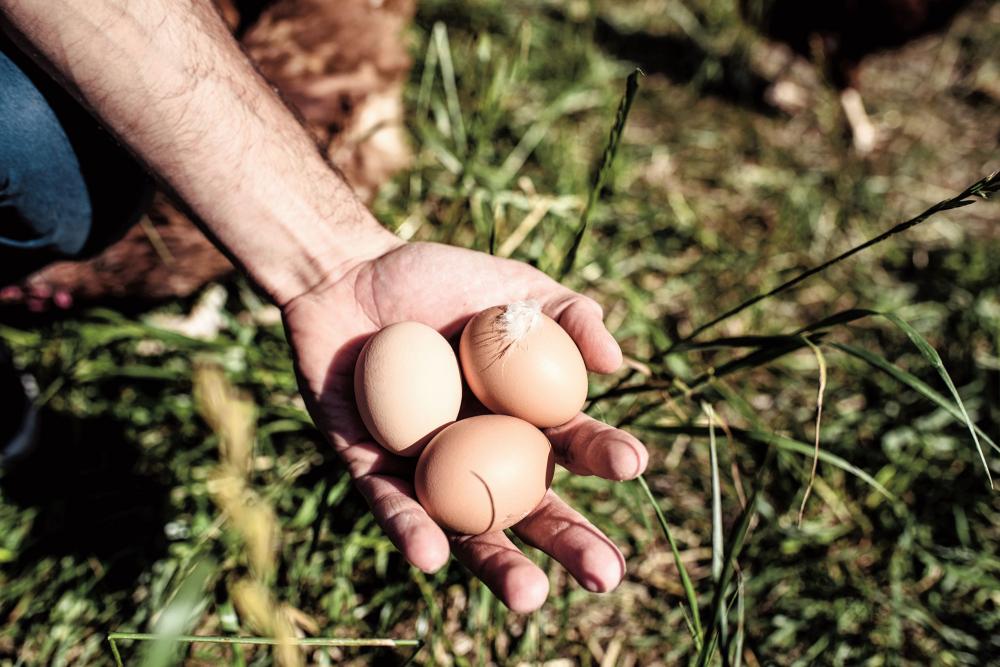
(520, 362)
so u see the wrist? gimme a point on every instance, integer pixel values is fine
(320, 254)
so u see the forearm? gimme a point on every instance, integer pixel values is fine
(167, 77)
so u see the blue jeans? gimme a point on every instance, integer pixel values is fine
(67, 189)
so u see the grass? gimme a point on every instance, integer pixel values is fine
(709, 202)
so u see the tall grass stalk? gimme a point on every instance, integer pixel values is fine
(770, 348)
(983, 188)
(377, 642)
(601, 175)
(775, 441)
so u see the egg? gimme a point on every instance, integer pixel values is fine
(484, 473)
(407, 385)
(520, 362)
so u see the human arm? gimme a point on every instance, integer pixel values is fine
(167, 77)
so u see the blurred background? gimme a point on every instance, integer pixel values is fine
(744, 161)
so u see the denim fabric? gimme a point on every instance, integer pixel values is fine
(67, 189)
(44, 202)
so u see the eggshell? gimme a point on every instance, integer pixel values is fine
(520, 362)
(484, 473)
(407, 385)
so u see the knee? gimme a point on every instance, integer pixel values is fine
(44, 202)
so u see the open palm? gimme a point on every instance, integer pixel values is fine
(443, 287)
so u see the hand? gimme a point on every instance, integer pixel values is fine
(443, 287)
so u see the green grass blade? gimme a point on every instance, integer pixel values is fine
(736, 542)
(781, 346)
(689, 624)
(450, 87)
(178, 617)
(914, 383)
(427, 80)
(692, 597)
(752, 360)
(736, 343)
(607, 160)
(483, 220)
(774, 348)
(931, 355)
(717, 543)
(792, 445)
(983, 188)
(842, 317)
(740, 623)
(777, 346)
(114, 651)
(779, 442)
(573, 101)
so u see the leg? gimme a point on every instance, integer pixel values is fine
(45, 211)
(67, 189)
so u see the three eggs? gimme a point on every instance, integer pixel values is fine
(482, 473)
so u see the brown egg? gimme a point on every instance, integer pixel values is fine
(407, 385)
(484, 473)
(520, 362)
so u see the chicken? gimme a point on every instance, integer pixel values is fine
(841, 33)
(341, 64)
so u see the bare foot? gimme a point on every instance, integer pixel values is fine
(36, 298)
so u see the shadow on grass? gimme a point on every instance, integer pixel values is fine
(682, 61)
(93, 501)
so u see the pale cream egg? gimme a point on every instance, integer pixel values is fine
(407, 385)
